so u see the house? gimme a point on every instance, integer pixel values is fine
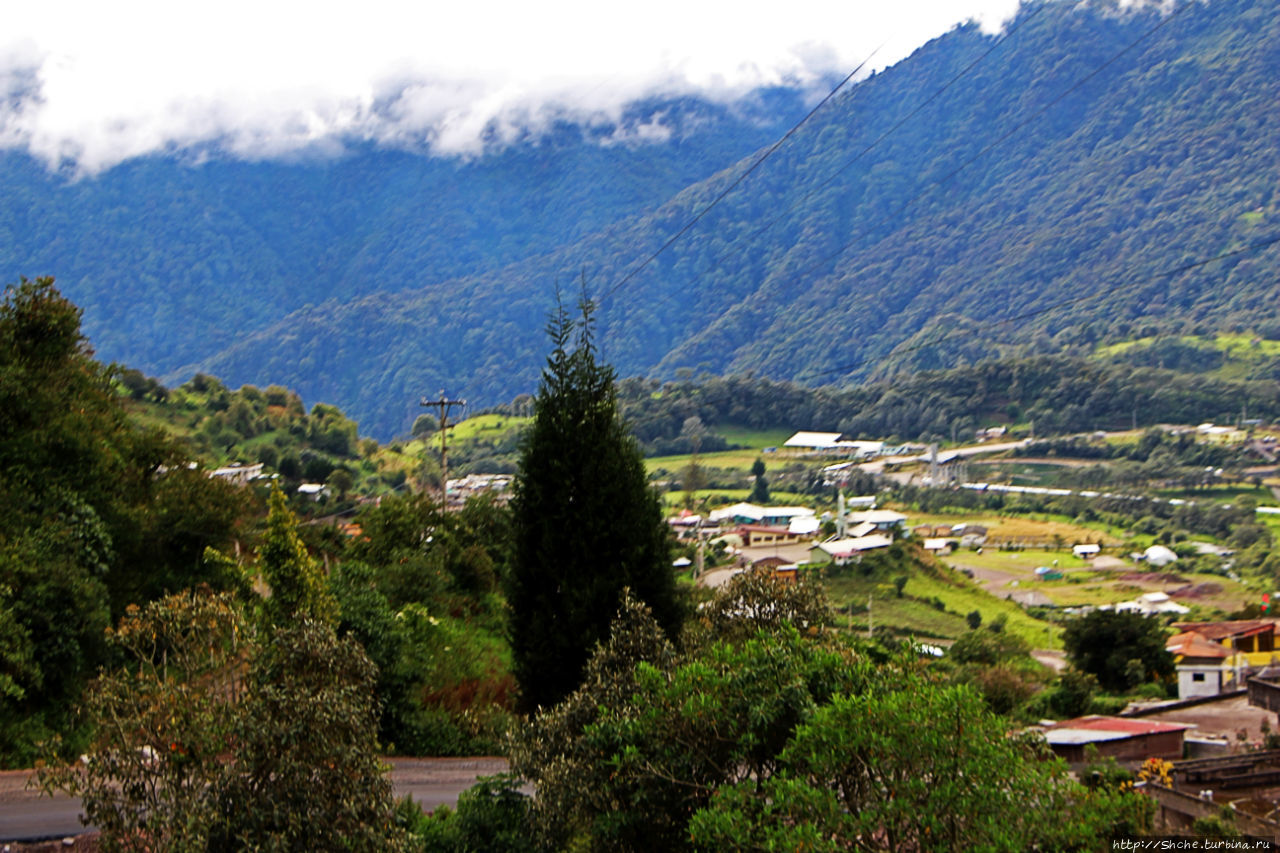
(1159, 555)
(884, 520)
(1199, 665)
(831, 442)
(474, 484)
(315, 491)
(240, 475)
(1250, 636)
(773, 516)
(1151, 603)
(781, 569)
(1210, 434)
(756, 535)
(1117, 737)
(844, 551)
(939, 547)
(1214, 657)
(1087, 551)
(866, 528)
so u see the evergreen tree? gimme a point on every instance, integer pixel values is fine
(586, 522)
(759, 491)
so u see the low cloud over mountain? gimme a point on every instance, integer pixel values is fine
(85, 86)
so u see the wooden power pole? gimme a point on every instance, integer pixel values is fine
(444, 405)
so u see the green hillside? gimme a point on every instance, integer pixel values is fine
(1073, 187)
(1057, 238)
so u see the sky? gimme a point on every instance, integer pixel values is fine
(87, 85)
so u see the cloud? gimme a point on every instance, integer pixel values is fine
(88, 85)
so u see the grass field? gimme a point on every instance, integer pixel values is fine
(485, 427)
(754, 442)
(754, 438)
(1006, 572)
(734, 460)
(916, 614)
(1024, 526)
(1239, 347)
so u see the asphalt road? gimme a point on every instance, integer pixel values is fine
(26, 815)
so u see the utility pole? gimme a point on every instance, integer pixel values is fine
(700, 563)
(443, 405)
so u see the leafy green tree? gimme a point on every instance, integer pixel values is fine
(98, 512)
(299, 588)
(424, 425)
(755, 601)
(491, 817)
(1072, 696)
(417, 591)
(161, 722)
(212, 736)
(340, 482)
(307, 774)
(1104, 642)
(647, 738)
(586, 523)
(917, 766)
(987, 647)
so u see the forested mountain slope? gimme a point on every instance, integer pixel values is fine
(175, 258)
(1035, 204)
(1059, 234)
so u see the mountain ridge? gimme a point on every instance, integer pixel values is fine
(1035, 207)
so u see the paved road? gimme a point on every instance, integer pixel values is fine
(24, 814)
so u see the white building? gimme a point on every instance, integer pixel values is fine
(831, 442)
(842, 551)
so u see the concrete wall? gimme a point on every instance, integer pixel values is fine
(1209, 685)
(1181, 809)
(1264, 694)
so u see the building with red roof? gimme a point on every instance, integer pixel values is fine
(1118, 737)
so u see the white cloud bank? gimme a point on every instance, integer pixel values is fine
(92, 84)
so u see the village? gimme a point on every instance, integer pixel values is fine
(1215, 742)
(1212, 742)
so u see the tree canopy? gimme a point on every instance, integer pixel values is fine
(1121, 649)
(98, 513)
(586, 523)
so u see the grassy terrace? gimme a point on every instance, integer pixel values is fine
(916, 613)
(753, 441)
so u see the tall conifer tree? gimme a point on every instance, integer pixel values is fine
(586, 522)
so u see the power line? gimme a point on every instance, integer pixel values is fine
(734, 184)
(1165, 21)
(1018, 24)
(1173, 271)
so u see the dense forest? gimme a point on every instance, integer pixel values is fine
(1062, 191)
(217, 248)
(1052, 395)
